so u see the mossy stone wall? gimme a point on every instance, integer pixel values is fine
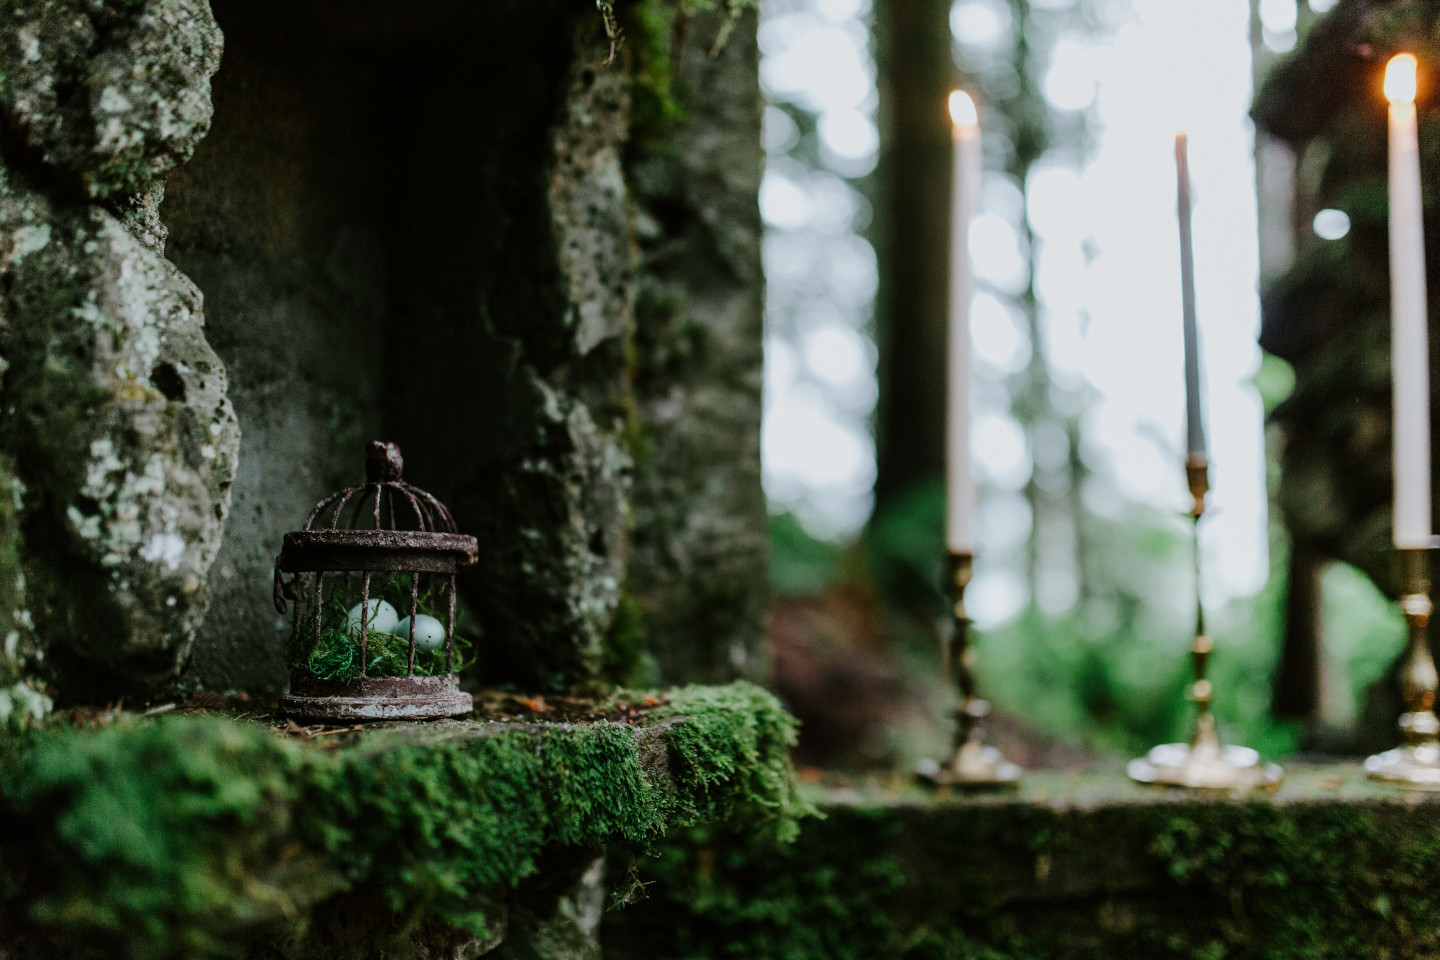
(1076, 867)
(416, 840)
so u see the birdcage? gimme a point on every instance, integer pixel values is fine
(367, 556)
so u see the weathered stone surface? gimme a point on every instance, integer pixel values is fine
(699, 572)
(116, 415)
(275, 219)
(552, 509)
(1087, 867)
(109, 96)
(22, 694)
(556, 916)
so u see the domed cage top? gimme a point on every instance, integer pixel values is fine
(366, 554)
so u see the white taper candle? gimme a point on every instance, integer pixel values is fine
(1409, 347)
(1194, 424)
(965, 198)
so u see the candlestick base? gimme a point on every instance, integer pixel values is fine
(1416, 764)
(1204, 764)
(1414, 767)
(975, 765)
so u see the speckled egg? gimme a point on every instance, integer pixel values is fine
(429, 632)
(383, 618)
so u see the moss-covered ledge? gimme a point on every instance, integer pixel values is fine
(1075, 866)
(177, 835)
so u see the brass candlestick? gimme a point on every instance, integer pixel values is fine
(973, 764)
(1416, 763)
(1203, 763)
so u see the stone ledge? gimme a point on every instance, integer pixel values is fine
(209, 835)
(1085, 866)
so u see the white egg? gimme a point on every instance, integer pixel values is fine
(383, 618)
(429, 633)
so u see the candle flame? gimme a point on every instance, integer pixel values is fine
(962, 109)
(1400, 78)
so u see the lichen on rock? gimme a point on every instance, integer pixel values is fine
(109, 94)
(117, 415)
(115, 412)
(22, 698)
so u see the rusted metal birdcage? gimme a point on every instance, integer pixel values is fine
(383, 537)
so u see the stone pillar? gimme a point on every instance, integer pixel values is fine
(698, 577)
(116, 421)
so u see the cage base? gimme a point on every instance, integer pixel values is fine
(376, 698)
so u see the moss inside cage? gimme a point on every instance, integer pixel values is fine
(335, 653)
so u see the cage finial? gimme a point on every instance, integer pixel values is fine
(383, 462)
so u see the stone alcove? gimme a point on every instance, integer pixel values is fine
(520, 245)
(414, 225)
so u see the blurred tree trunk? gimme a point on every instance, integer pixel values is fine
(916, 74)
(1297, 675)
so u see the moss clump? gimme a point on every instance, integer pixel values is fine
(199, 836)
(152, 839)
(475, 815)
(337, 656)
(733, 760)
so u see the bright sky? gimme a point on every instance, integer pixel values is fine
(1107, 270)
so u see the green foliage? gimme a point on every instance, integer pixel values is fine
(191, 837)
(1274, 381)
(1110, 672)
(1114, 674)
(800, 565)
(905, 548)
(626, 659)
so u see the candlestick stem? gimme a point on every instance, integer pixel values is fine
(972, 764)
(1416, 763)
(1204, 762)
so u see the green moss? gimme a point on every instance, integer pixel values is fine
(335, 654)
(194, 836)
(161, 839)
(1059, 873)
(733, 761)
(653, 28)
(476, 815)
